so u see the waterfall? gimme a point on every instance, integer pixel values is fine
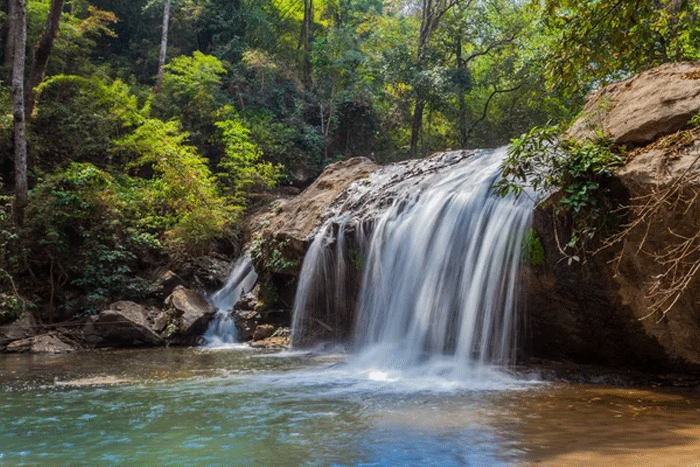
(440, 275)
(241, 280)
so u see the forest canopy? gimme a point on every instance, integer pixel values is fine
(151, 124)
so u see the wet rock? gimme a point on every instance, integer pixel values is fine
(20, 329)
(272, 342)
(124, 323)
(263, 331)
(246, 323)
(47, 343)
(189, 315)
(642, 108)
(248, 302)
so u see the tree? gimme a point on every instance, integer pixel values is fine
(305, 39)
(597, 42)
(42, 51)
(19, 28)
(432, 12)
(163, 46)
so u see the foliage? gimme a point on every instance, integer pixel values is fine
(182, 197)
(243, 170)
(78, 118)
(188, 94)
(532, 249)
(269, 256)
(543, 161)
(85, 241)
(596, 42)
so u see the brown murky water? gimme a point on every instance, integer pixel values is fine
(243, 407)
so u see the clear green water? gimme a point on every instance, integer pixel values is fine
(193, 407)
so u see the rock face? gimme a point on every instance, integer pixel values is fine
(574, 312)
(642, 108)
(637, 303)
(291, 223)
(657, 269)
(122, 324)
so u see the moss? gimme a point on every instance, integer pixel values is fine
(532, 248)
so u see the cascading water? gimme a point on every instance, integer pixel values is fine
(441, 272)
(241, 280)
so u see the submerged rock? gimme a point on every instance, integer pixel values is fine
(642, 108)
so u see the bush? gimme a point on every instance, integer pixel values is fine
(579, 171)
(82, 239)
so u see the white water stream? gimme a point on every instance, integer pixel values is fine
(441, 273)
(241, 280)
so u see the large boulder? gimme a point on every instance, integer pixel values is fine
(657, 268)
(123, 324)
(189, 315)
(638, 110)
(637, 302)
(289, 226)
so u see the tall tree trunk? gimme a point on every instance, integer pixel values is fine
(461, 69)
(163, 46)
(417, 125)
(305, 40)
(42, 52)
(19, 55)
(11, 33)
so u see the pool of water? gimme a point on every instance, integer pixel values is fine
(244, 407)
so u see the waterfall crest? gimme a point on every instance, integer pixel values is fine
(440, 271)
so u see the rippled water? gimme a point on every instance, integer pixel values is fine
(238, 406)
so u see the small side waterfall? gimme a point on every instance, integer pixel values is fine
(440, 272)
(241, 280)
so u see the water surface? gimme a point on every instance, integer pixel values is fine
(243, 407)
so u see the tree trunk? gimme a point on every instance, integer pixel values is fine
(42, 52)
(19, 55)
(417, 126)
(305, 39)
(461, 67)
(163, 46)
(11, 32)
(426, 27)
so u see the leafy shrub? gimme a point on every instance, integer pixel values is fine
(182, 198)
(545, 161)
(243, 169)
(84, 241)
